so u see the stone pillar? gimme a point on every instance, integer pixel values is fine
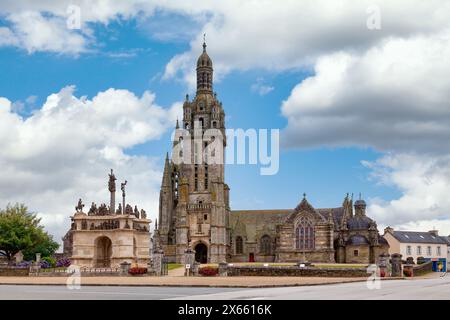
(189, 259)
(19, 257)
(223, 269)
(396, 259)
(383, 265)
(112, 204)
(124, 268)
(408, 270)
(158, 261)
(195, 267)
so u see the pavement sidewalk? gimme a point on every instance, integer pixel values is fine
(178, 281)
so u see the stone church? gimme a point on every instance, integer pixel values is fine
(195, 214)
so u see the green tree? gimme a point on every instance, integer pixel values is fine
(20, 230)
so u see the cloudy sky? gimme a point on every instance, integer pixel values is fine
(359, 89)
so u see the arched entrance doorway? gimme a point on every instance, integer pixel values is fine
(201, 253)
(103, 252)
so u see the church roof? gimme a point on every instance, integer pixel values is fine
(359, 222)
(357, 240)
(338, 213)
(269, 211)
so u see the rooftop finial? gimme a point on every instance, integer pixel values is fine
(304, 195)
(360, 196)
(204, 42)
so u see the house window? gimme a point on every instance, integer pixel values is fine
(355, 253)
(304, 235)
(408, 250)
(239, 245)
(428, 251)
(438, 251)
(419, 250)
(265, 245)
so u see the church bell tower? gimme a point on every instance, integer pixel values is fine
(199, 197)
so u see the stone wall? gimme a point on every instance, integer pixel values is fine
(294, 271)
(363, 254)
(422, 269)
(13, 272)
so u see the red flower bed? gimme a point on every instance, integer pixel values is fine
(407, 273)
(208, 271)
(137, 271)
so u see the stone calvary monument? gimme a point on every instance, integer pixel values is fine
(107, 236)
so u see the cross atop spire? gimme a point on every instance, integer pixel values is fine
(204, 42)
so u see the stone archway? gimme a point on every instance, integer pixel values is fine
(103, 252)
(201, 253)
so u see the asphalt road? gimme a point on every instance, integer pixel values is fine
(44, 292)
(437, 288)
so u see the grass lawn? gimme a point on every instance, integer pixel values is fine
(172, 266)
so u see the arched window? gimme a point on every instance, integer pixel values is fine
(265, 246)
(304, 234)
(239, 245)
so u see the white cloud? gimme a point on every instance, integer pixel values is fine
(34, 32)
(270, 36)
(260, 87)
(425, 184)
(399, 89)
(65, 150)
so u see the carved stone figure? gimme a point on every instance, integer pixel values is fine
(92, 210)
(128, 210)
(143, 214)
(103, 210)
(80, 205)
(119, 209)
(112, 182)
(136, 212)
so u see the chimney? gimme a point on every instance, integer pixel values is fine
(434, 233)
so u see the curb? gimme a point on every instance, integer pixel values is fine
(198, 285)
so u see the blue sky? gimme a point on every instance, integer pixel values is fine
(348, 101)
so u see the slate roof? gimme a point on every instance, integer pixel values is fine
(359, 223)
(357, 240)
(338, 213)
(418, 237)
(446, 239)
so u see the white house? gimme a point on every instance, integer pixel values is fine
(428, 245)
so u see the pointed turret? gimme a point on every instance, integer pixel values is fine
(166, 181)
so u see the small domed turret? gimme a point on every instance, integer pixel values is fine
(204, 72)
(204, 60)
(360, 207)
